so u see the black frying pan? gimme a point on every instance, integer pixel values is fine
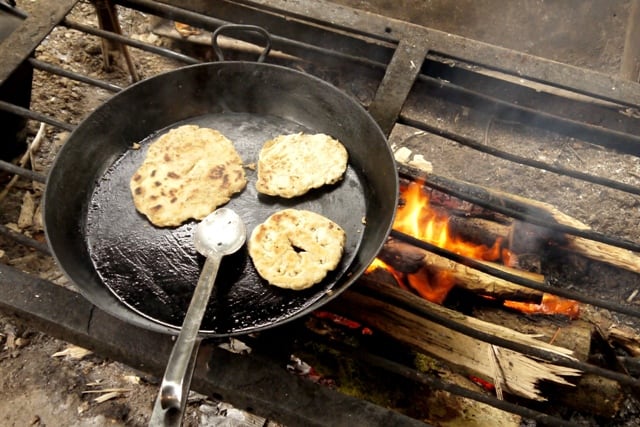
(146, 275)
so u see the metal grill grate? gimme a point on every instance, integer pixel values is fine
(426, 89)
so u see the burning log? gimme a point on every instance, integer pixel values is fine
(514, 230)
(408, 259)
(510, 371)
(480, 230)
(618, 257)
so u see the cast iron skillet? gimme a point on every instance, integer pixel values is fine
(145, 275)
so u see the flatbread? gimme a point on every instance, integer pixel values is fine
(187, 173)
(291, 165)
(295, 249)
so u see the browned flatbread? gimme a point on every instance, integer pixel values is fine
(295, 249)
(187, 173)
(291, 165)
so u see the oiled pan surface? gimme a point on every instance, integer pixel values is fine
(154, 270)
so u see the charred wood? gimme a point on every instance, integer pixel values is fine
(408, 259)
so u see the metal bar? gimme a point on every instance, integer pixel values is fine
(434, 382)
(288, 36)
(72, 75)
(484, 148)
(542, 287)
(131, 42)
(24, 240)
(514, 210)
(25, 173)
(25, 112)
(606, 136)
(21, 43)
(247, 381)
(397, 83)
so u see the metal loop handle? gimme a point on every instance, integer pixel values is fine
(239, 27)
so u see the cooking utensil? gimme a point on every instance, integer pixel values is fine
(218, 234)
(145, 275)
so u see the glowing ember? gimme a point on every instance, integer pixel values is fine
(550, 304)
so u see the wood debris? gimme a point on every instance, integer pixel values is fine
(520, 374)
(73, 352)
(27, 211)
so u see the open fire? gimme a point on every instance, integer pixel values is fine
(416, 217)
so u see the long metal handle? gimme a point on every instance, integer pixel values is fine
(172, 387)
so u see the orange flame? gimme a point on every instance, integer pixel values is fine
(418, 219)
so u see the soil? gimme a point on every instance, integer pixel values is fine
(40, 387)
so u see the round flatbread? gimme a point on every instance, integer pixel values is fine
(291, 165)
(187, 173)
(295, 249)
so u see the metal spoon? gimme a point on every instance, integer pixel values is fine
(220, 233)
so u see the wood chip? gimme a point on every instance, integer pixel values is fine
(108, 396)
(73, 352)
(27, 210)
(132, 379)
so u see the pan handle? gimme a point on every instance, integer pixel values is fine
(238, 27)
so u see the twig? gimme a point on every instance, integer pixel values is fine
(108, 390)
(498, 377)
(555, 336)
(26, 157)
(575, 153)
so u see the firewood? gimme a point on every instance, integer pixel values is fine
(592, 394)
(408, 259)
(626, 338)
(612, 255)
(598, 251)
(514, 372)
(478, 230)
(574, 335)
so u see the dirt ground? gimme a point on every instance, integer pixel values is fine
(44, 383)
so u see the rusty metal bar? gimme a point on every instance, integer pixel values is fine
(397, 83)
